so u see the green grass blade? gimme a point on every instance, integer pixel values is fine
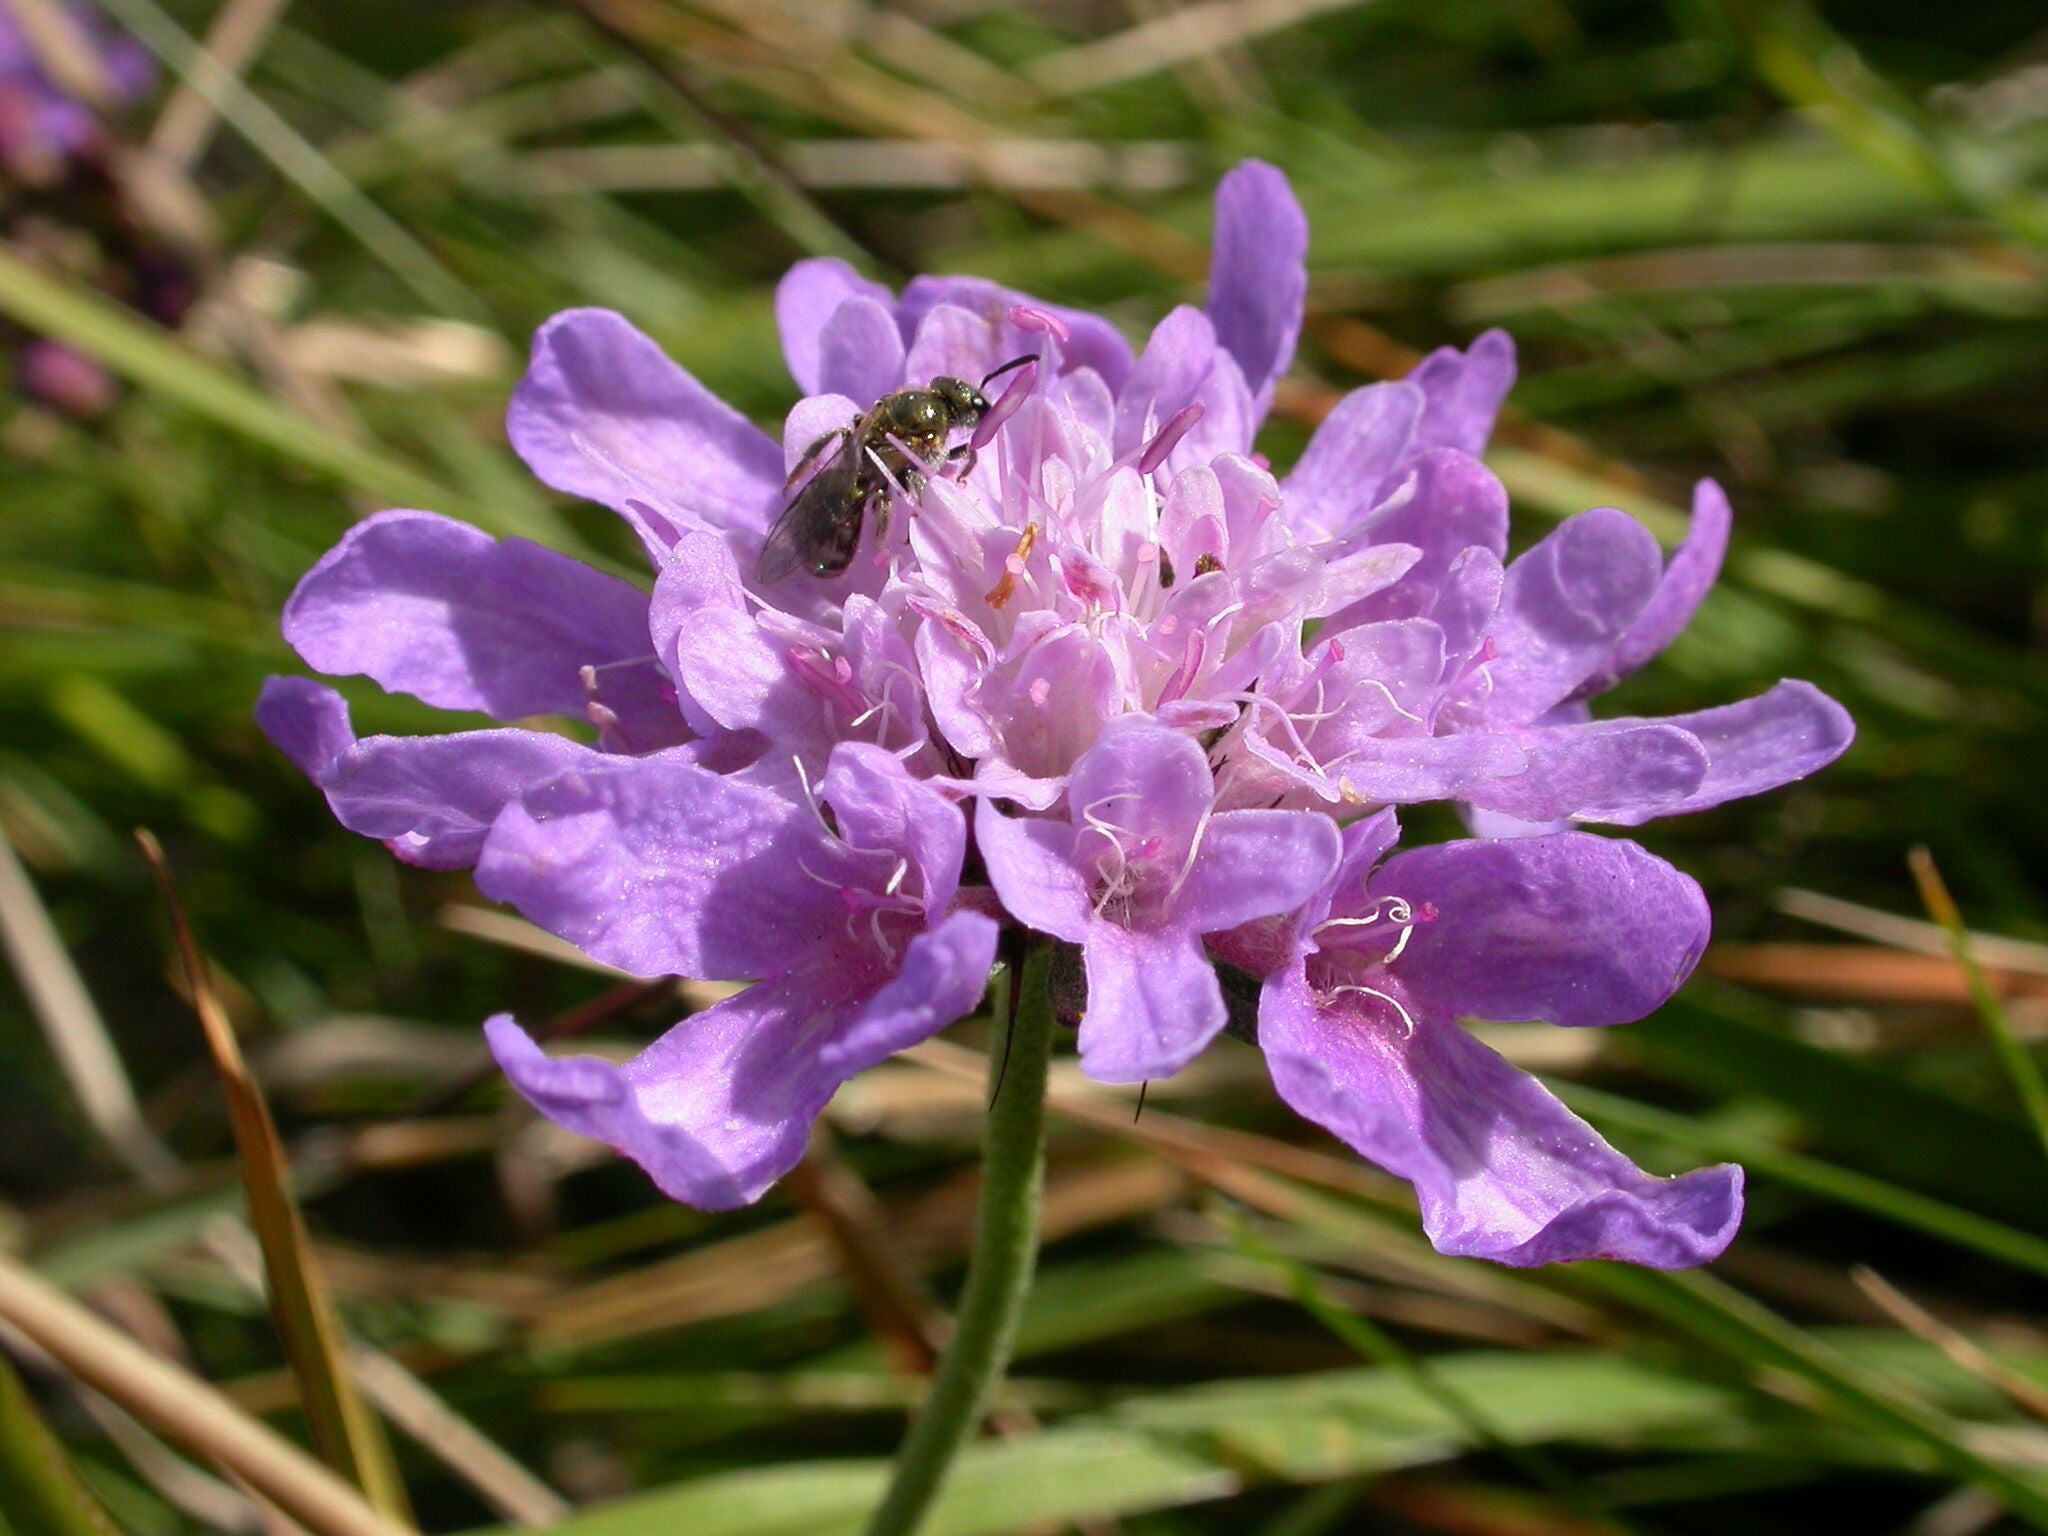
(1717, 1315)
(1846, 1186)
(298, 161)
(152, 358)
(40, 1493)
(2018, 1061)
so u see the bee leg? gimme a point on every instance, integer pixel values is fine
(964, 456)
(913, 480)
(812, 452)
(879, 506)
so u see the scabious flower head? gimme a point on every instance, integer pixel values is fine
(1160, 700)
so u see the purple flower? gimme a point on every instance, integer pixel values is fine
(64, 379)
(1140, 867)
(45, 123)
(1161, 698)
(1502, 722)
(659, 866)
(1358, 1022)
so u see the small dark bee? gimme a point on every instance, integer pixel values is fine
(900, 441)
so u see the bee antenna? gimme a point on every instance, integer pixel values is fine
(1012, 365)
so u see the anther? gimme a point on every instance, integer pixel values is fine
(1007, 405)
(1168, 437)
(1013, 567)
(1028, 317)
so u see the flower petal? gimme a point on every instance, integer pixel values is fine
(943, 977)
(1607, 770)
(1570, 929)
(1760, 744)
(1404, 770)
(700, 572)
(860, 352)
(1453, 503)
(1465, 604)
(952, 342)
(1150, 784)
(1183, 366)
(1091, 341)
(604, 413)
(1501, 1169)
(877, 804)
(659, 867)
(1258, 277)
(1029, 865)
(806, 299)
(431, 799)
(1684, 585)
(740, 679)
(1465, 391)
(440, 610)
(1253, 864)
(721, 1106)
(1344, 471)
(1153, 1002)
(307, 721)
(1563, 606)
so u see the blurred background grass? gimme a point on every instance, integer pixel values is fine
(1803, 250)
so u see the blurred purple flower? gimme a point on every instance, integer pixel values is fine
(64, 379)
(1100, 635)
(46, 124)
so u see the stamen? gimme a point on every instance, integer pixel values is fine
(1187, 866)
(1029, 317)
(1007, 405)
(1407, 1019)
(1113, 880)
(1169, 436)
(1013, 567)
(1393, 909)
(892, 476)
(803, 779)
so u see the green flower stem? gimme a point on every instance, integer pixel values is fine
(998, 1274)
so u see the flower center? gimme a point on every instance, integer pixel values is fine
(1343, 966)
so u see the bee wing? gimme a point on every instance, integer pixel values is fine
(804, 527)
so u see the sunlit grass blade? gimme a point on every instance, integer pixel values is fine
(348, 1435)
(184, 1409)
(1374, 1343)
(1816, 68)
(297, 160)
(1846, 1186)
(1749, 1332)
(2018, 1061)
(40, 1492)
(153, 359)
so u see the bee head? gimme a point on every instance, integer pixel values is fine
(967, 403)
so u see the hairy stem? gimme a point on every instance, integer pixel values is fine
(998, 1275)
